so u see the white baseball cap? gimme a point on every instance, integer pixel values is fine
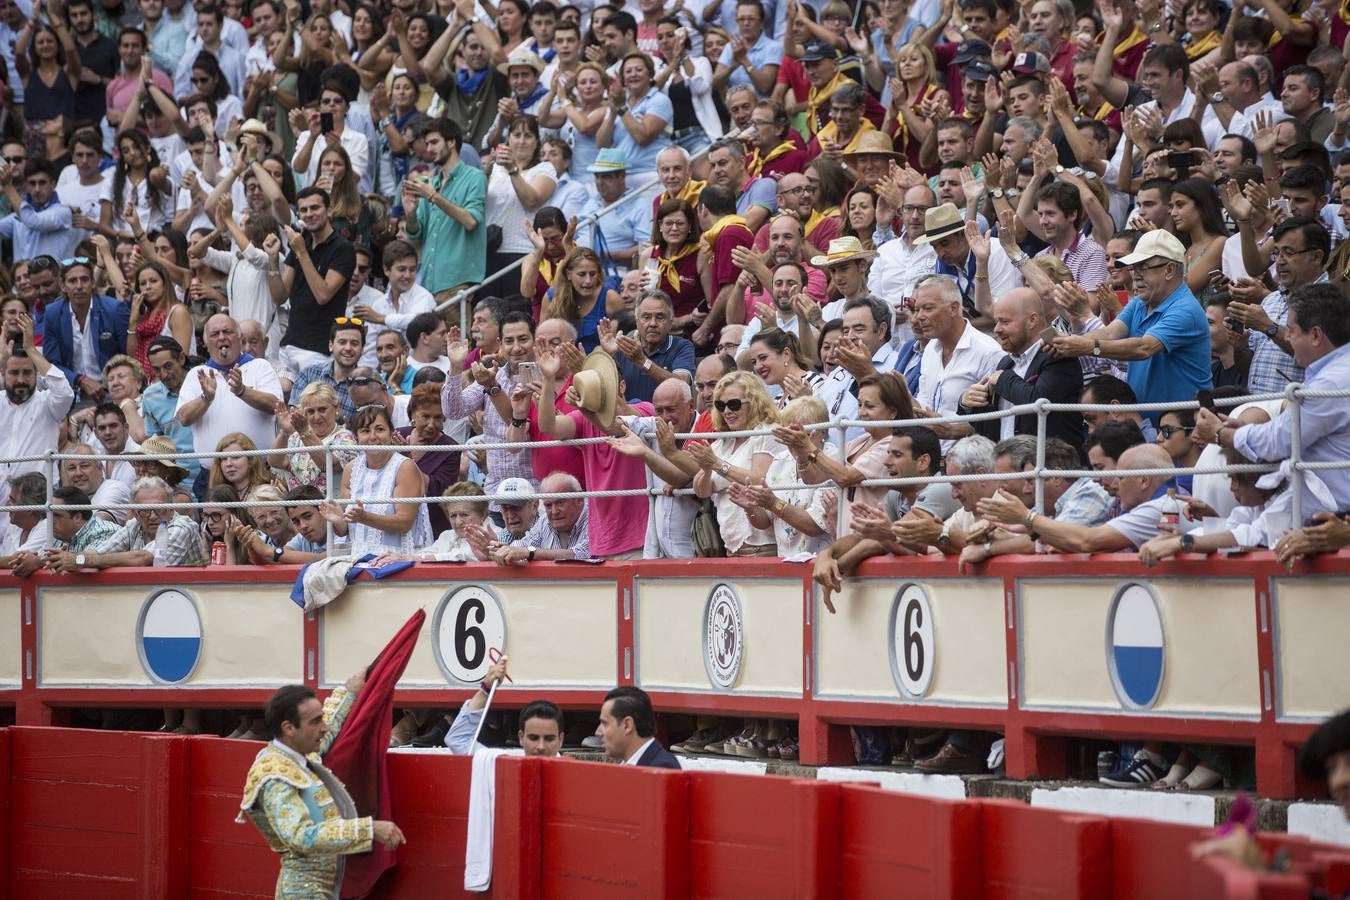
(1155, 243)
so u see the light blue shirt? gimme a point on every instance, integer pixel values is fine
(774, 13)
(1324, 430)
(642, 157)
(40, 231)
(167, 43)
(766, 51)
(462, 730)
(626, 226)
(231, 63)
(761, 192)
(1182, 367)
(569, 195)
(159, 408)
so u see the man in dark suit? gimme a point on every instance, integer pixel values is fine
(628, 728)
(99, 323)
(1027, 374)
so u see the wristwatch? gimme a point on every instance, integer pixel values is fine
(79, 560)
(723, 467)
(1187, 542)
(997, 192)
(1013, 193)
(529, 557)
(1272, 329)
(647, 364)
(494, 390)
(1216, 97)
(944, 540)
(1096, 348)
(1059, 170)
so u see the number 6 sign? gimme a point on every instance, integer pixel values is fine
(911, 639)
(468, 623)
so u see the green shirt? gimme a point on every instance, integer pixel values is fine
(451, 254)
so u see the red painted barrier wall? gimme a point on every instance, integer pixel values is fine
(109, 815)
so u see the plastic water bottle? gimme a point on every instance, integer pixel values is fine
(161, 551)
(1171, 510)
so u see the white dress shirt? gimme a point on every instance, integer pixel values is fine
(1020, 366)
(940, 387)
(352, 140)
(31, 428)
(633, 760)
(898, 267)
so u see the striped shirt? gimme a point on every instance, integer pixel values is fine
(458, 401)
(1085, 258)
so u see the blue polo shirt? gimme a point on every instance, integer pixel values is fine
(766, 51)
(759, 192)
(676, 355)
(642, 157)
(1182, 367)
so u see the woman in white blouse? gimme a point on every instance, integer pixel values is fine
(740, 403)
(518, 184)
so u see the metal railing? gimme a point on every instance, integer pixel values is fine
(1293, 395)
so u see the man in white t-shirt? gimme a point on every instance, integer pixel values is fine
(233, 391)
(107, 495)
(81, 183)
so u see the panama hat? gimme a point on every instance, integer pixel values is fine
(522, 56)
(161, 449)
(873, 143)
(939, 222)
(842, 250)
(597, 387)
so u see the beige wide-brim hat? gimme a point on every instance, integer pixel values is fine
(161, 449)
(939, 222)
(874, 143)
(256, 127)
(842, 250)
(597, 386)
(522, 56)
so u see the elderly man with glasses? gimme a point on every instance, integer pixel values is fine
(1164, 338)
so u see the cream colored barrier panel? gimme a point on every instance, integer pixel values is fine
(1167, 645)
(556, 633)
(11, 638)
(1312, 629)
(211, 635)
(708, 634)
(939, 641)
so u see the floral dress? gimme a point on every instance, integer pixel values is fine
(303, 468)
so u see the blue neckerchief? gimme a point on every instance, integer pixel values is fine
(523, 103)
(967, 296)
(244, 359)
(469, 82)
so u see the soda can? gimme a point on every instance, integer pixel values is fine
(218, 553)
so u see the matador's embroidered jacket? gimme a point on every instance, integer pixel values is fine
(305, 813)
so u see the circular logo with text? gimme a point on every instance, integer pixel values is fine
(723, 636)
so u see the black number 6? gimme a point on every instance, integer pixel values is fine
(914, 660)
(466, 634)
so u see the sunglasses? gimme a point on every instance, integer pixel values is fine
(360, 380)
(724, 405)
(16, 160)
(343, 320)
(73, 261)
(363, 268)
(1166, 431)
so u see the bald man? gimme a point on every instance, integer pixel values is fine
(1143, 497)
(1028, 373)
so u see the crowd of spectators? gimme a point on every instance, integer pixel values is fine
(248, 228)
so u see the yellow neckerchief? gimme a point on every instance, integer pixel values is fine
(1209, 42)
(821, 96)
(818, 216)
(756, 165)
(830, 130)
(1277, 37)
(689, 193)
(1344, 12)
(665, 266)
(710, 236)
(901, 129)
(1103, 111)
(1135, 38)
(547, 269)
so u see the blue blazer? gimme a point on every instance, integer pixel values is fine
(108, 318)
(658, 757)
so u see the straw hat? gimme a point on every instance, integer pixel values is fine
(522, 56)
(874, 143)
(842, 250)
(940, 222)
(161, 449)
(597, 387)
(257, 128)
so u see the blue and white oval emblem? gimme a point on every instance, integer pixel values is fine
(169, 633)
(1135, 654)
(723, 636)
